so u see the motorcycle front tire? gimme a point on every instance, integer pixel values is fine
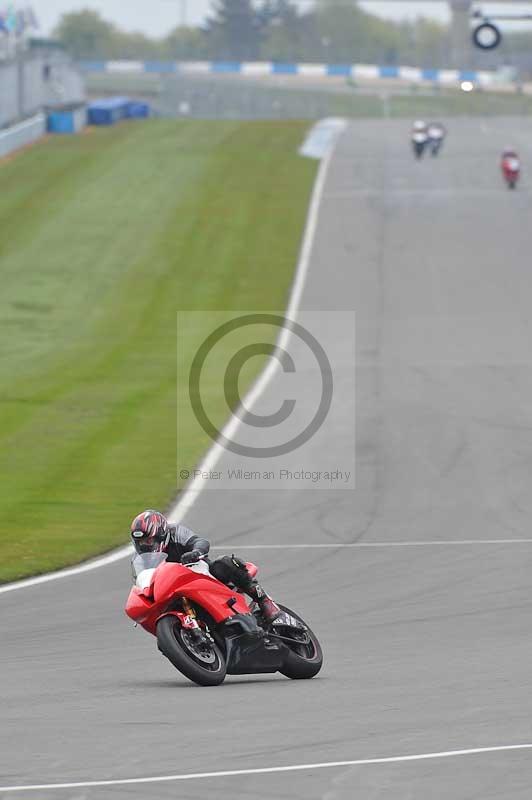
(170, 645)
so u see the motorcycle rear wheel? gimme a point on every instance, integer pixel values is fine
(303, 661)
(204, 666)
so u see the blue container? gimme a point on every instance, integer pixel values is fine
(69, 119)
(108, 110)
(138, 110)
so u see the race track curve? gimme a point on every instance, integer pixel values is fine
(427, 637)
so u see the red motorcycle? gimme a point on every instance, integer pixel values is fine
(207, 629)
(511, 168)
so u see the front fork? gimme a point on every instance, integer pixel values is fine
(189, 621)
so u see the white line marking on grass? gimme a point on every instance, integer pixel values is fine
(266, 770)
(190, 494)
(87, 566)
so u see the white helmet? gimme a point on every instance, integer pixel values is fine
(419, 125)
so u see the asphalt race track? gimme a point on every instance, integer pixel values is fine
(427, 638)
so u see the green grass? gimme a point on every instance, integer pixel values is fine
(105, 237)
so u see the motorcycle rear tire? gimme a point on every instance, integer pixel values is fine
(295, 666)
(171, 647)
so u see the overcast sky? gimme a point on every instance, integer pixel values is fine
(157, 17)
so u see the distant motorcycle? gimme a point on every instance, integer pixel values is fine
(207, 629)
(419, 142)
(419, 138)
(510, 168)
(436, 135)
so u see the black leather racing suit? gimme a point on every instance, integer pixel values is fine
(227, 569)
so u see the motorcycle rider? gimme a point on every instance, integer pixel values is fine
(510, 159)
(152, 532)
(419, 137)
(436, 133)
(510, 166)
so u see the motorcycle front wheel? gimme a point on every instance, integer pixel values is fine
(305, 656)
(202, 663)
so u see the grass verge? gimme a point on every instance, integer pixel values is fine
(106, 236)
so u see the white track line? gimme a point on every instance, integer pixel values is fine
(127, 551)
(189, 495)
(265, 770)
(340, 545)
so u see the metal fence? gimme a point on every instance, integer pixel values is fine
(227, 98)
(233, 98)
(33, 81)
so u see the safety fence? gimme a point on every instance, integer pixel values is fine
(267, 68)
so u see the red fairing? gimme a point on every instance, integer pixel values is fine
(510, 167)
(172, 581)
(138, 607)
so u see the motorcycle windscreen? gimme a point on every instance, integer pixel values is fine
(142, 561)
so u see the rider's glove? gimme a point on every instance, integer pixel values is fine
(239, 564)
(191, 558)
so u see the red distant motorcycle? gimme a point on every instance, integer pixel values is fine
(511, 168)
(207, 629)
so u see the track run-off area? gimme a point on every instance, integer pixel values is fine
(417, 582)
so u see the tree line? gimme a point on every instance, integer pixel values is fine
(269, 30)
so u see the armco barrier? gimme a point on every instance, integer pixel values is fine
(262, 68)
(20, 135)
